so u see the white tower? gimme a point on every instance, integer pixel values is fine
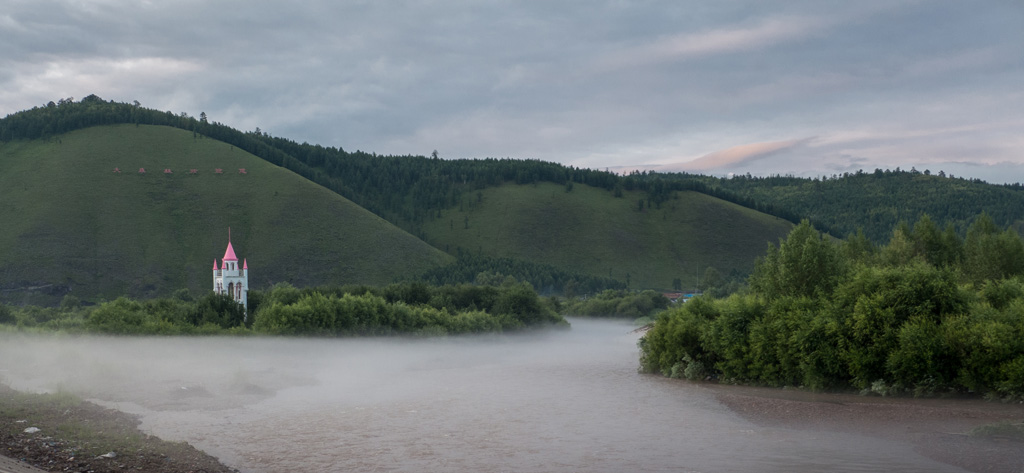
(230, 279)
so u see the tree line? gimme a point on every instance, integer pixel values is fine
(927, 313)
(414, 307)
(180, 314)
(411, 308)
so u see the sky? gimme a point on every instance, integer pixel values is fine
(808, 88)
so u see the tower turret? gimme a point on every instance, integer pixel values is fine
(230, 279)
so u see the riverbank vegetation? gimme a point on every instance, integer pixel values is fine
(414, 308)
(620, 304)
(927, 313)
(406, 308)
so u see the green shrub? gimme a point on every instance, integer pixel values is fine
(6, 315)
(803, 265)
(522, 303)
(1000, 293)
(819, 343)
(1011, 383)
(983, 348)
(776, 341)
(727, 336)
(876, 302)
(921, 359)
(676, 337)
(69, 303)
(121, 316)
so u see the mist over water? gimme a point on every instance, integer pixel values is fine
(567, 400)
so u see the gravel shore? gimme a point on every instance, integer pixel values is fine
(66, 434)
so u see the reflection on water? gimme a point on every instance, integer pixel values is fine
(558, 401)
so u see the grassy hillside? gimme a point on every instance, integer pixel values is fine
(589, 230)
(69, 222)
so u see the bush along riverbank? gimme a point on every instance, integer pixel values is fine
(618, 304)
(397, 309)
(927, 314)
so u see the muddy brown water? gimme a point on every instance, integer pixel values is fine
(559, 401)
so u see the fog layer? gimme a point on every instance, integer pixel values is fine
(558, 401)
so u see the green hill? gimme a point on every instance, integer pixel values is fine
(589, 230)
(69, 222)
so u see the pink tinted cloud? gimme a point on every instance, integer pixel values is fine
(734, 156)
(716, 41)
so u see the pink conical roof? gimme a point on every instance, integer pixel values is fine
(245, 264)
(229, 255)
(215, 264)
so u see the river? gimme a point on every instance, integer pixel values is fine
(565, 400)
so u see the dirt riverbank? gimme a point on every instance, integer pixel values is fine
(58, 432)
(936, 428)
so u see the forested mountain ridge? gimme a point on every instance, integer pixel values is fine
(403, 189)
(412, 190)
(406, 190)
(876, 202)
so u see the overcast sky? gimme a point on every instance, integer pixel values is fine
(809, 88)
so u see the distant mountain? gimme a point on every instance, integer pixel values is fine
(80, 217)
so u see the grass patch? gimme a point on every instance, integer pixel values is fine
(644, 321)
(1004, 430)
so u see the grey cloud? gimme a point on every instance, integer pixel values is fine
(593, 84)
